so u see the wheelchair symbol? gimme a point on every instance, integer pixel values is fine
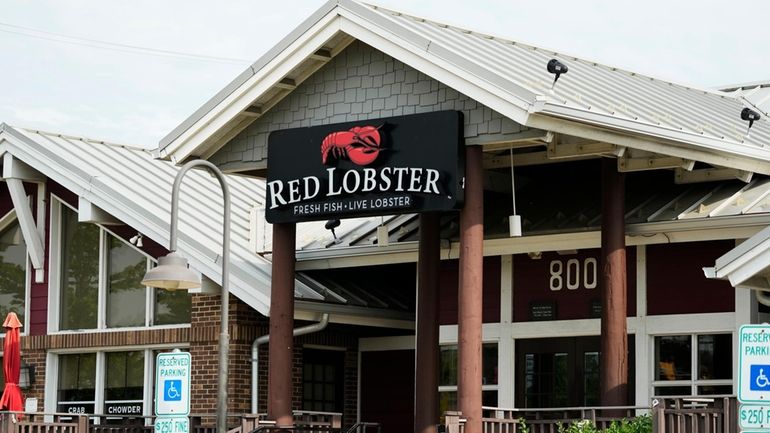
(762, 379)
(759, 380)
(172, 390)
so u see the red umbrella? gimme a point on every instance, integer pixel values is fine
(12, 398)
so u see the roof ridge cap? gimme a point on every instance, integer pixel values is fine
(85, 139)
(508, 40)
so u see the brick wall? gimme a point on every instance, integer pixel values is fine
(245, 325)
(358, 84)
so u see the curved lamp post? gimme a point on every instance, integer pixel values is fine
(173, 273)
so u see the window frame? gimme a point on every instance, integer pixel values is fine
(5, 221)
(51, 402)
(484, 387)
(694, 383)
(58, 205)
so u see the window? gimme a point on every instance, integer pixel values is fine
(76, 390)
(79, 272)
(124, 383)
(322, 380)
(119, 381)
(13, 270)
(693, 365)
(448, 376)
(100, 281)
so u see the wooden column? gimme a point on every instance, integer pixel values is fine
(281, 344)
(614, 340)
(426, 338)
(469, 303)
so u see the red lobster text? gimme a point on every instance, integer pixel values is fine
(361, 144)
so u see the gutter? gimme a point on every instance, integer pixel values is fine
(315, 327)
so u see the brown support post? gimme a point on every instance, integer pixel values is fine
(281, 344)
(614, 340)
(426, 338)
(469, 302)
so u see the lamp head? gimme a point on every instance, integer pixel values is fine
(557, 68)
(172, 273)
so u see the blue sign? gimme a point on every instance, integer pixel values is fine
(172, 390)
(758, 378)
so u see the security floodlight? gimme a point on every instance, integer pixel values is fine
(557, 68)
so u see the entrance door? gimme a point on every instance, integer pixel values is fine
(560, 372)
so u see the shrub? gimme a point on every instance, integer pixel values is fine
(642, 424)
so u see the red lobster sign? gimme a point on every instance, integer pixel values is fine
(361, 144)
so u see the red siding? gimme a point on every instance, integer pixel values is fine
(6, 205)
(532, 284)
(675, 280)
(449, 280)
(38, 292)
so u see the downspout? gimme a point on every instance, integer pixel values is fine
(316, 327)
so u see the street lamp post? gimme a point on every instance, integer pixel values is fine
(172, 273)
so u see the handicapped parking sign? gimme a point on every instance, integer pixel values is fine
(754, 353)
(758, 380)
(172, 390)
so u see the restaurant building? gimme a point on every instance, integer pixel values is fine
(622, 187)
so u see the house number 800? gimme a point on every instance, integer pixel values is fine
(572, 274)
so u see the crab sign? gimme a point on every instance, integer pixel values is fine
(361, 144)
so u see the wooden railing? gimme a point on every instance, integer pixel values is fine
(541, 420)
(676, 415)
(11, 422)
(695, 415)
(304, 421)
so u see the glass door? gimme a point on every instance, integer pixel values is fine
(561, 372)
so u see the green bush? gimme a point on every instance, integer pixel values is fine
(642, 424)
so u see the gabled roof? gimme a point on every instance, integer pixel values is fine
(132, 186)
(593, 101)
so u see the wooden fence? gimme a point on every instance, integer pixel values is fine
(304, 421)
(676, 415)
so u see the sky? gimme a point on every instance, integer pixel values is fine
(125, 95)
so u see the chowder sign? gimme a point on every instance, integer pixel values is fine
(373, 167)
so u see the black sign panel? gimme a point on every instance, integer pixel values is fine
(542, 311)
(373, 167)
(123, 408)
(75, 407)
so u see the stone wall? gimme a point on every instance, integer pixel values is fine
(358, 84)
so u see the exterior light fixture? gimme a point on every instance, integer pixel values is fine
(331, 225)
(137, 240)
(749, 115)
(557, 68)
(173, 273)
(383, 236)
(514, 220)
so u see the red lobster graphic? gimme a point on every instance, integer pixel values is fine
(361, 144)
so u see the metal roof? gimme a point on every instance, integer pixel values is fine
(132, 186)
(652, 202)
(757, 94)
(505, 75)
